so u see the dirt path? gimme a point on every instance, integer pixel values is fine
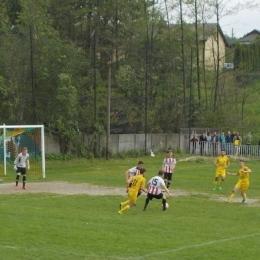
(66, 188)
(69, 189)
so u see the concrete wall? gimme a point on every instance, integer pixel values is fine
(52, 144)
(126, 142)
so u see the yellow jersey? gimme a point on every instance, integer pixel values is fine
(222, 162)
(243, 176)
(137, 182)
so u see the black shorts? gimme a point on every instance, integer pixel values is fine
(21, 170)
(168, 176)
(151, 196)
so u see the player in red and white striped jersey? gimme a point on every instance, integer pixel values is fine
(168, 167)
(154, 186)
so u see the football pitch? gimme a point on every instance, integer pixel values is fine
(75, 225)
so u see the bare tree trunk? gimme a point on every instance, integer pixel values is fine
(183, 59)
(197, 53)
(116, 25)
(217, 64)
(172, 62)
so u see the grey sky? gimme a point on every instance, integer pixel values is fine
(242, 23)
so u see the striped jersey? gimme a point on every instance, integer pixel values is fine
(21, 160)
(168, 164)
(134, 171)
(155, 185)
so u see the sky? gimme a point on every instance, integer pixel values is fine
(242, 23)
(237, 25)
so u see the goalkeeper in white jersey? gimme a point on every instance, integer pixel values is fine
(154, 186)
(20, 163)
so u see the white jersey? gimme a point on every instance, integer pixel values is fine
(168, 164)
(133, 171)
(21, 160)
(155, 185)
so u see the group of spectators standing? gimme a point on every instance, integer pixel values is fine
(213, 143)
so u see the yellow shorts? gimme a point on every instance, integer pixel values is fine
(220, 173)
(242, 185)
(132, 196)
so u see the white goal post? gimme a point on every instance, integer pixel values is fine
(13, 138)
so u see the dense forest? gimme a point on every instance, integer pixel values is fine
(71, 65)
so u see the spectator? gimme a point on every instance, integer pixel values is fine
(237, 142)
(214, 141)
(223, 141)
(203, 140)
(229, 142)
(259, 148)
(249, 139)
(194, 141)
(208, 143)
(232, 138)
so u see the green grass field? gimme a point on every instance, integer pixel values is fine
(198, 225)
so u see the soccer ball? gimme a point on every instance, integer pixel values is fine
(166, 206)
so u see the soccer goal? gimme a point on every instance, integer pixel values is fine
(13, 138)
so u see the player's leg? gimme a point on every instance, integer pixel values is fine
(23, 170)
(236, 188)
(129, 203)
(17, 178)
(169, 179)
(215, 182)
(164, 202)
(123, 204)
(148, 198)
(165, 179)
(222, 179)
(243, 192)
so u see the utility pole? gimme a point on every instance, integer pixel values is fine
(32, 76)
(108, 110)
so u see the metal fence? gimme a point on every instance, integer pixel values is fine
(214, 149)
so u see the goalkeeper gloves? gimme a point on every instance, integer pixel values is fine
(15, 168)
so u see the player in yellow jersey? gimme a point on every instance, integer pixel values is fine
(243, 182)
(222, 162)
(135, 184)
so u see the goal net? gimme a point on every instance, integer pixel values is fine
(13, 139)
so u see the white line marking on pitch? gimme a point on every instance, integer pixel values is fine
(133, 257)
(192, 246)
